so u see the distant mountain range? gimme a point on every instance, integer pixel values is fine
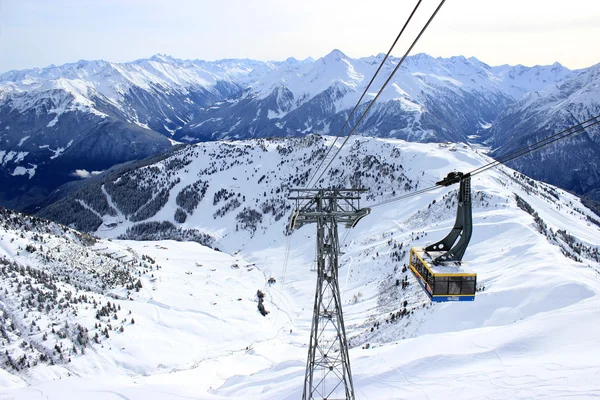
(429, 99)
(58, 124)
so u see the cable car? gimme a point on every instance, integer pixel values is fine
(449, 281)
(438, 267)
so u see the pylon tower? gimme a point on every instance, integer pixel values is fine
(328, 374)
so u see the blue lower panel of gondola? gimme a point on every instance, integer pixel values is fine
(462, 297)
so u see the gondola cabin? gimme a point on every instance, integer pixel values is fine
(448, 281)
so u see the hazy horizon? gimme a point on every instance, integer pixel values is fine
(280, 60)
(36, 34)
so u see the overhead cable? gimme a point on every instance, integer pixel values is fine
(364, 92)
(539, 145)
(573, 130)
(382, 87)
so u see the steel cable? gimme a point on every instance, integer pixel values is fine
(581, 127)
(383, 87)
(365, 92)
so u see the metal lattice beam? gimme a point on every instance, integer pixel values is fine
(328, 373)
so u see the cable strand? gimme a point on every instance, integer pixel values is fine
(475, 171)
(383, 87)
(365, 91)
(516, 154)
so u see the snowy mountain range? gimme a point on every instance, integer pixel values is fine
(64, 123)
(317, 97)
(87, 315)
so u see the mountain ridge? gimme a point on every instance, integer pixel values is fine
(423, 83)
(50, 117)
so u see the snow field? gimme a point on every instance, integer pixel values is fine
(531, 333)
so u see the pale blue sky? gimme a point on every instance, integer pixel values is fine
(36, 33)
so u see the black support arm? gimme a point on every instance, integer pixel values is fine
(454, 245)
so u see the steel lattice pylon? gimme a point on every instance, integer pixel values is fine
(328, 373)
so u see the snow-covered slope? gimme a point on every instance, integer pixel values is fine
(75, 305)
(519, 80)
(572, 163)
(57, 285)
(530, 333)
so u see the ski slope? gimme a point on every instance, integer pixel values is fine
(531, 333)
